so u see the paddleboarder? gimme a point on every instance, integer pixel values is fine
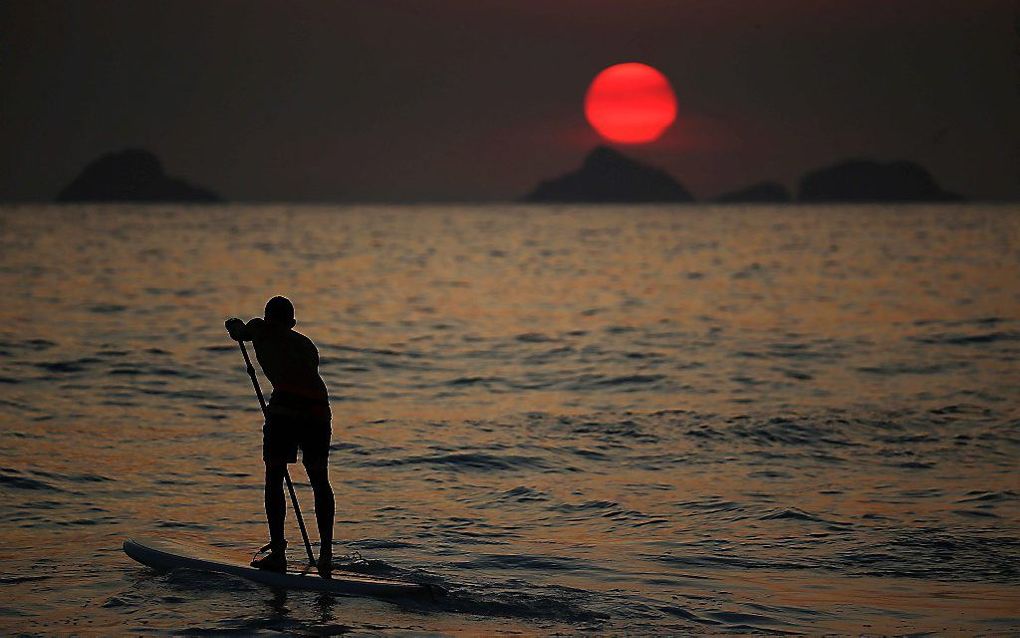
(297, 416)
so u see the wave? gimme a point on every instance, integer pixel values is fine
(467, 461)
(13, 479)
(963, 339)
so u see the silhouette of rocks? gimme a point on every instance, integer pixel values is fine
(869, 181)
(609, 176)
(131, 175)
(765, 192)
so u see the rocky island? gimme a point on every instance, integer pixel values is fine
(609, 176)
(869, 181)
(132, 175)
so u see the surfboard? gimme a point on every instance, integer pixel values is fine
(164, 555)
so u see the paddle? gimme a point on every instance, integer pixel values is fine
(286, 473)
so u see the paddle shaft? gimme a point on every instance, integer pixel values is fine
(286, 473)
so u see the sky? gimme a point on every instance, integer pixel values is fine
(478, 100)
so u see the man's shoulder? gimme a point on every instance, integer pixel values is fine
(302, 338)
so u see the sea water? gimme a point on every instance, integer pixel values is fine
(633, 419)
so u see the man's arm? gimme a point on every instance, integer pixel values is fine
(241, 331)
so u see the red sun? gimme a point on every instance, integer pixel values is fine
(630, 103)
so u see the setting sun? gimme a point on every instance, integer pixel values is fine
(630, 103)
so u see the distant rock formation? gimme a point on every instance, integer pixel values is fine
(131, 175)
(869, 181)
(764, 192)
(609, 176)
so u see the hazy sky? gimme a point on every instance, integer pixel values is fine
(476, 99)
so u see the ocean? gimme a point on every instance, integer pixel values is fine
(641, 420)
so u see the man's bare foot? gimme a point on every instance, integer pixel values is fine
(274, 562)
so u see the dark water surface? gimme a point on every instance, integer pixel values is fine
(645, 420)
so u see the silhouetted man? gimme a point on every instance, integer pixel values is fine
(298, 415)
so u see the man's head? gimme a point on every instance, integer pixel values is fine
(280, 311)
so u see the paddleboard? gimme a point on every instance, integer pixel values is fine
(165, 555)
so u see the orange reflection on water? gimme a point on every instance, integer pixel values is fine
(495, 373)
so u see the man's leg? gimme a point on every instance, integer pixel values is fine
(276, 506)
(325, 509)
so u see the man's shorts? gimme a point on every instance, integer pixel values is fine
(282, 435)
